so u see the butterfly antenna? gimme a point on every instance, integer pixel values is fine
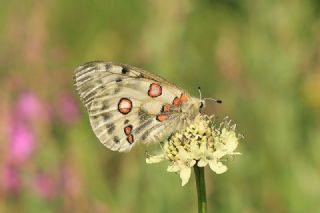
(215, 100)
(212, 99)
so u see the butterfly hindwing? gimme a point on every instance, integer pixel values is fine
(127, 105)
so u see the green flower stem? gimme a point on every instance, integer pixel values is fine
(201, 189)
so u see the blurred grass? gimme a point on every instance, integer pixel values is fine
(261, 57)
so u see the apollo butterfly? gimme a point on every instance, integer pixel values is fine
(127, 105)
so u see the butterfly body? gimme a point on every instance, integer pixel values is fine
(128, 105)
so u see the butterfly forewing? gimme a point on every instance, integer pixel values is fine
(127, 105)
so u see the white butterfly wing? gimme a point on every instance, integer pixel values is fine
(127, 105)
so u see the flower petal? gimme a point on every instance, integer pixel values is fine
(217, 167)
(173, 168)
(202, 163)
(185, 174)
(192, 163)
(155, 159)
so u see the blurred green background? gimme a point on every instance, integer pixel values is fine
(262, 58)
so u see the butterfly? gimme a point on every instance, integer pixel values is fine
(127, 105)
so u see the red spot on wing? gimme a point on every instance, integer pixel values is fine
(184, 98)
(162, 117)
(128, 129)
(125, 105)
(130, 139)
(176, 102)
(166, 108)
(155, 90)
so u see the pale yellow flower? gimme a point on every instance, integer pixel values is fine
(201, 144)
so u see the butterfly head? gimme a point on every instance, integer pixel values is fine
(202, 105)
(202, 101)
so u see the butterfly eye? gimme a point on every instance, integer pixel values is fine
(201, 105)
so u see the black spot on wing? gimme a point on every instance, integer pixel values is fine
(125, 70)
(106, 116)
(116, 90)
(111, 127)
(105, 105)
(116, 139)
(108, 67)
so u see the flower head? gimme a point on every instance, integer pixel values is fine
(22, 141)
(10, 179)
(45, 186)
(30, 107)
(202, 143)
